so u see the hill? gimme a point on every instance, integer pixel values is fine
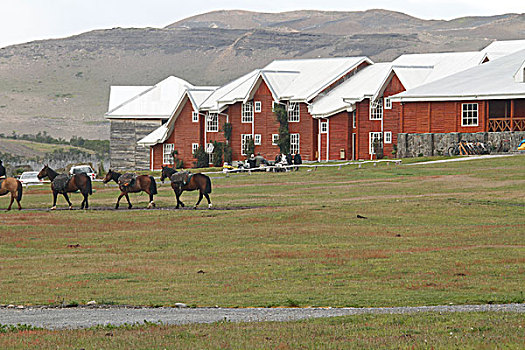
(61, 86)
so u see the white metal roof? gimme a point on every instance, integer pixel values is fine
(496, 79)
(417, 69)
(502, 48)
(158, 135)
(158, 101)
(120, 94)
(366, 83)
(234, 90)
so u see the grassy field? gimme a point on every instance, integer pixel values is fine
(434, 234)
(427, 331)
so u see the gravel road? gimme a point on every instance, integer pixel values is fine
(82, 317)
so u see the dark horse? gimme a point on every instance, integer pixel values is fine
(197, 181)
(64, 184)
(144, 183)
(13, 186)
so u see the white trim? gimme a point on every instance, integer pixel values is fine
(371, 137)
(247, 112)
(212, 122)
(480, 97)
(376, 110)
(194, 148)
(244, 139)
(387, 103)
(296, 143)
(294, 112)
(167, 148)
(195, 117)
(275, 138)
(258, 107)
(257, 139)
(387, 137)
(325, 125)
(354, 119)
(474, 114)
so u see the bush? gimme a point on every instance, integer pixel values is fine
(202, 158)
(284, 132)
(228, 154)
(218, 148)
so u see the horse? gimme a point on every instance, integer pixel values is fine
(64, 184)
(196, 181)
(13, 186)
(144, 183)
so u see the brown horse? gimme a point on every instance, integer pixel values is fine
(140, 183)
(62, 183)
(197, 181)
(13, 186)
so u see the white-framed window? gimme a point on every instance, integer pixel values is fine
(194, 147)
(388, 137)
(210, 155)
(257, 139)
(167, 149)
(294, 143)
(212, 122)
(469, 115)
(247, 112)
(376, 110)
(388, 103)
(275, 139)
(373, 136)
(354, 119)
(324, 127)
(274, 104)
(294, 112)
(244, 142)
(258, 106)
(195, 117)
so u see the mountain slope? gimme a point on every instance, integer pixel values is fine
(61, 86)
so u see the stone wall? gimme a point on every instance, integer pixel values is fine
(125, 153)
(434, 144)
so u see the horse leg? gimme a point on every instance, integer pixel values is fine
(177, 195)
(200, 198)
(209, 201)
(68, 201)
(85, 202)
(118, 200)
(12, 200)
(129, 203)
(55, 194)
(151, 203)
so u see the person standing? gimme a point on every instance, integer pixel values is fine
(297, 160)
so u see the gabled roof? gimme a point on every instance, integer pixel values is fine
(120, 94)
(495, 80)
(418, 69)
(502, 48)
(232, 92)
(366, 83)
(158, 101)
(195, 95)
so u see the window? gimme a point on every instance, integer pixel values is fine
(388, 103)
(244, 142)
(168, 157)
(294, 143)
(376, 110)
(469, 114)
(293, 112)
(209, 147)
(247, 112)
(275, 138)
(257, 139)
(374, 136)
(258, 106)
(195, 117)
(354, 121)
(212, 122)
(388, 136)
(324, 127)
(194, 147)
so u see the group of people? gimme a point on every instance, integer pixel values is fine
(281, 161)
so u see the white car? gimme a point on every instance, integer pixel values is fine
(83, 169)
(30, 177)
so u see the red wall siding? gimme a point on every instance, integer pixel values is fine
(340, 129)
(265, 123)
(391, 117)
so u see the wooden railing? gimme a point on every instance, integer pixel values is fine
(505, 124)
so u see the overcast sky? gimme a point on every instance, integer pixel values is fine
(26, 20)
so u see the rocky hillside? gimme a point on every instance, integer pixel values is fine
(61, 86)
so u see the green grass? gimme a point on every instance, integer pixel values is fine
(426, 330)
(434, 234)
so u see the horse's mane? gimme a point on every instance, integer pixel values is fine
(169, 171)
(51, 173)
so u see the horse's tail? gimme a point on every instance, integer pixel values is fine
(208, 184)
(19, 190)
(152, 185)
(89, 186)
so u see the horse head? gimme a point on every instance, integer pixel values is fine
(166, 173)
(108, 176)
(43, 173)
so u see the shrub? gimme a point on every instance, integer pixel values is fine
(202, 158)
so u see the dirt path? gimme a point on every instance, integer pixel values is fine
(83, 317)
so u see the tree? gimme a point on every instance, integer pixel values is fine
(202, 158)
(218, 148)
(284, 132)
